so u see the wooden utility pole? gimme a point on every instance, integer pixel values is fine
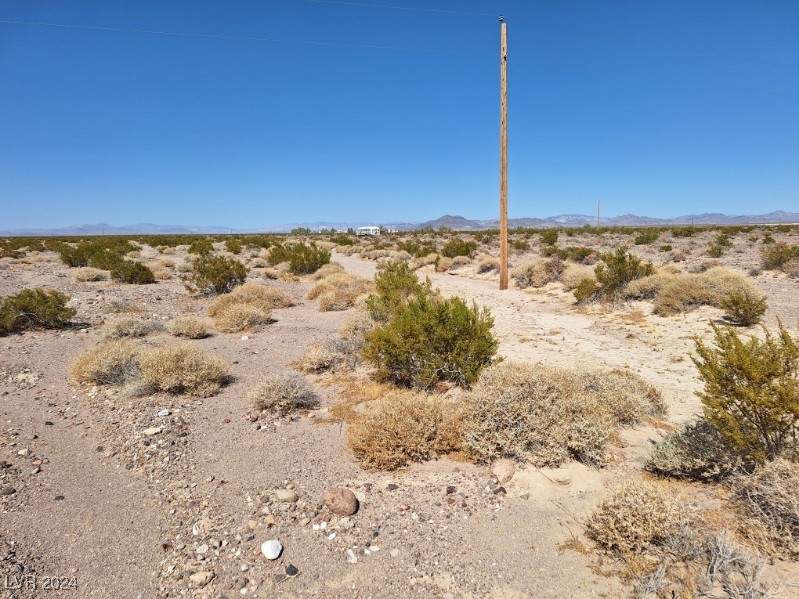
(503, 154)
(597, 214)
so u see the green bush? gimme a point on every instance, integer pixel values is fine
(751, 392)
(579, 254)
(417, 249)
(616, 270)
(215, 274)
(105, 259)
(428, 340)
(233, 246)
(744, 308)
(128, 271)
(201, 247)
(102, 253)
(646, 237)
(395, 284)
(586, 290)
(342, 239)
(775, 256)
(666, 247)
(34, 308)
(307, 259)
(520, 245)
(458, 247)
(549, 236)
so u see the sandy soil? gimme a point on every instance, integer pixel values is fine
(124, 514)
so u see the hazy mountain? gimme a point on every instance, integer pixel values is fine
(454, 222)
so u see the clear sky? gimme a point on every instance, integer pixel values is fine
(654, 108)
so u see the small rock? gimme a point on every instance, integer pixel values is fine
(341, 501)
(245, 337)
(503, 469)
(394, 552)
(392, 487)
(351, 557)
(149, 432)
(285, 495)
(291, 570)
(272, 549)
(164, 413)
(201, 578)
(451, 489)
(7, 490)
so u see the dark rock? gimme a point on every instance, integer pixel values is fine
(291, 570)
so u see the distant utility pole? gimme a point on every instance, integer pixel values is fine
(597, 214)
(503, 154)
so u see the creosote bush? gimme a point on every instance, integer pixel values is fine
(183, 369)
(540, 415)
(34, 309)
(458, 247)
(751, 392)
(398, 430)
(776, 255)
(302, 259)
(743, 308)
(188, 327)
(339, 291)
(395, 284)
(427, 340)
(635, 515)
(237, 318)
(215, 274)
(616, 270)
(283, 394)
(136, 273)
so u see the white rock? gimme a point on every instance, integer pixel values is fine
(149, 432)
(201, 578)
(503, 469)
(244, 337)
(351, 557)
(271, 549)
(164, 413)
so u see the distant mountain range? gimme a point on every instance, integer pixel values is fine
(457, 223)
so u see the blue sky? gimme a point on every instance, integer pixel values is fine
(655, 108)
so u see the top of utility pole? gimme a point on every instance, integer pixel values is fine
(501, 19)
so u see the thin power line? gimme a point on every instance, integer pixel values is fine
(405, 8)
(582, 31)
(267, 40)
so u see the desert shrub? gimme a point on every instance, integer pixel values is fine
(233, 246)
(695, 451)
(616, 270)
(487, 264)
(573, 274)
(215, 274)
(580, 254)
(87, 274)
(549, 236)
(458, 247)
(34, 309)
(339, 291)
(237, 318)
(771, 495)
(520, 245)
(328, 269)
(530, 413)
(683, 232)
(417, 249)
(396, 431)
(183, 369)
(744, 308)
(586, 290)
(532, 273)
(320, 357)
(395, 283)
(106, 259)
(282, 394)
(427, 340)
(776, 255)
(127, 326)
(113, 362)
(136, 273)
(443, 264)
(100, 253)
(201, 247)
(751, 392)
(189, 327)
(646, 237)
(302, 259)
(263, 297)
(666, 247)
(634, 516)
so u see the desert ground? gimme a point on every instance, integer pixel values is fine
(111, 493)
